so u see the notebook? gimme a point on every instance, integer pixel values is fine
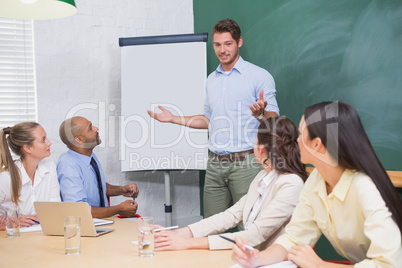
(284, 264)
(51, 217)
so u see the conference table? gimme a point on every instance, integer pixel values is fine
(34, 249)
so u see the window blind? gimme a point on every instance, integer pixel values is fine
(18, 101)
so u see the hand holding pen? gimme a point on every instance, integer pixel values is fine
(249, 248)
(130, 190)
(28, 220)
(244, 254)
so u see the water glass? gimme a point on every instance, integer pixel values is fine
(145, 236)
(72, 235)
(12, 223)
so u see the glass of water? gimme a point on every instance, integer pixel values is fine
(72, 235)
(12, 223)
(145, 236)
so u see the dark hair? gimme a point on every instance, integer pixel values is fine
(18, 136)
(338, 126)
(227, 26)
(279, 137)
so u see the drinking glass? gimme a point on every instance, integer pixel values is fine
(12, 223)
(146, 236)
(72, 235)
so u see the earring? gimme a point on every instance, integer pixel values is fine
(264, 164)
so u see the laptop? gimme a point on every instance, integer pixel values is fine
(51, 217)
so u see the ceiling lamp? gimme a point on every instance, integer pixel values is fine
(37, 9)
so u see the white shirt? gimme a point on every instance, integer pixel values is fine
(45, 188)
(263, 187)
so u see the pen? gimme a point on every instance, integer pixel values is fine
(167, 228)
(36, 221)
(133, 194)
(249, 248)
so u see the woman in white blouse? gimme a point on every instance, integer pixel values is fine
(268, 205)
(32, 177)
(349, 198)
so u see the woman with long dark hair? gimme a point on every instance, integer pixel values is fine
(30, 178)
(268, 205)
(348, 197)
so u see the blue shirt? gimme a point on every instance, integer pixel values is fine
(77, 179)
(232, 128)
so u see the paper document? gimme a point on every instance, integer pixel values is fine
(99, 222)
(130, 219)
(37, 227)
(284, 264)
(32, 228)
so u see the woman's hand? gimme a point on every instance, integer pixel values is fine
(2, 220)
(305, 257)
(157, 226)
(26, 221)
(168, 240)
(243, 256)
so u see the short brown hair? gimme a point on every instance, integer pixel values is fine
(227, 26)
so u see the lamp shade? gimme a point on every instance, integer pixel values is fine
(37, 10)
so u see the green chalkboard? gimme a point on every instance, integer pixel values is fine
(316, 50)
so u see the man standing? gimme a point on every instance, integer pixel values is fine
(80, 174)
(232, 90)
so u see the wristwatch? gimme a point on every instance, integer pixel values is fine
(261, 116)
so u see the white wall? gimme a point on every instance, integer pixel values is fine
(78, 73)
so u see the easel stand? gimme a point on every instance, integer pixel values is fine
(168, 205)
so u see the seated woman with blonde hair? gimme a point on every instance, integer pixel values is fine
(348, 198)
(268, 204)
(30, 178)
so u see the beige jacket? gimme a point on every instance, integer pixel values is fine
(274, 214)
